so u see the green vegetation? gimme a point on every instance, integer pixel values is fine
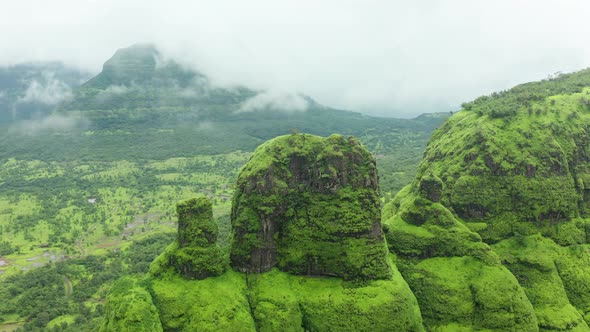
(212, 304)
(195, 253)
(309, 205)
(492, 234)
(294, 303)
(334, 181)
(105, 172)
(82, 208)
(130, 308)
(69, 295)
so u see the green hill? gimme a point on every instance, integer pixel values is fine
(492, 234)
(498, 210)
(142, 106)
(306, 212)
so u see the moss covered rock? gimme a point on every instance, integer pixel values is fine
(507, 171)
(195, 253)
(456, 277)
(309, 205)
(285, 302)
(130, 307)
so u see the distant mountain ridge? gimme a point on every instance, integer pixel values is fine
(141, 100)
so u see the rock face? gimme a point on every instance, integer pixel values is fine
(195, 254)
(309, 205)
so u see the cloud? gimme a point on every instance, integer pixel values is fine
(275, 100)
(381, 57)
(48, 91)
(198, 88)
(110, 92)
(54, 122)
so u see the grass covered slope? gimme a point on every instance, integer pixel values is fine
(492, 233)
(531, 166)
(458, 280)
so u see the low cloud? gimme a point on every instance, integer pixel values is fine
(54, 122)
(47, 91)
(199, 88)
(110, 92)
(379, 57)
(276, 101)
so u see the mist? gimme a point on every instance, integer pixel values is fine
(53, 122)
(393, 58)
(49, 91)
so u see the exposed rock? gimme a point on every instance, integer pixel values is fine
(309, 205)
(431, 187)
(196, 226)
(492, 234)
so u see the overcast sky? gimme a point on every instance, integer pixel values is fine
(395, 58)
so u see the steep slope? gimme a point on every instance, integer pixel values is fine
(322, 222)
(498, 209)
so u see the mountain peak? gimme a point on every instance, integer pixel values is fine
(135, 64)
(137, 54)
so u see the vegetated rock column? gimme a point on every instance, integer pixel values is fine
(309, 205)
(195, 253)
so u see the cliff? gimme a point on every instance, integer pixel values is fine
(309, 205)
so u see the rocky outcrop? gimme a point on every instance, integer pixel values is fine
(305, 205)
(309, 205)
(195, 253)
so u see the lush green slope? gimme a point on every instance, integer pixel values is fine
(495, 221)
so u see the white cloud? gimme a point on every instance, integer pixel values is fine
(384, 57)
(53, 122)
(275, 100)
(48, 91)
(115, 90)
(110, 92)
(199, 88)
